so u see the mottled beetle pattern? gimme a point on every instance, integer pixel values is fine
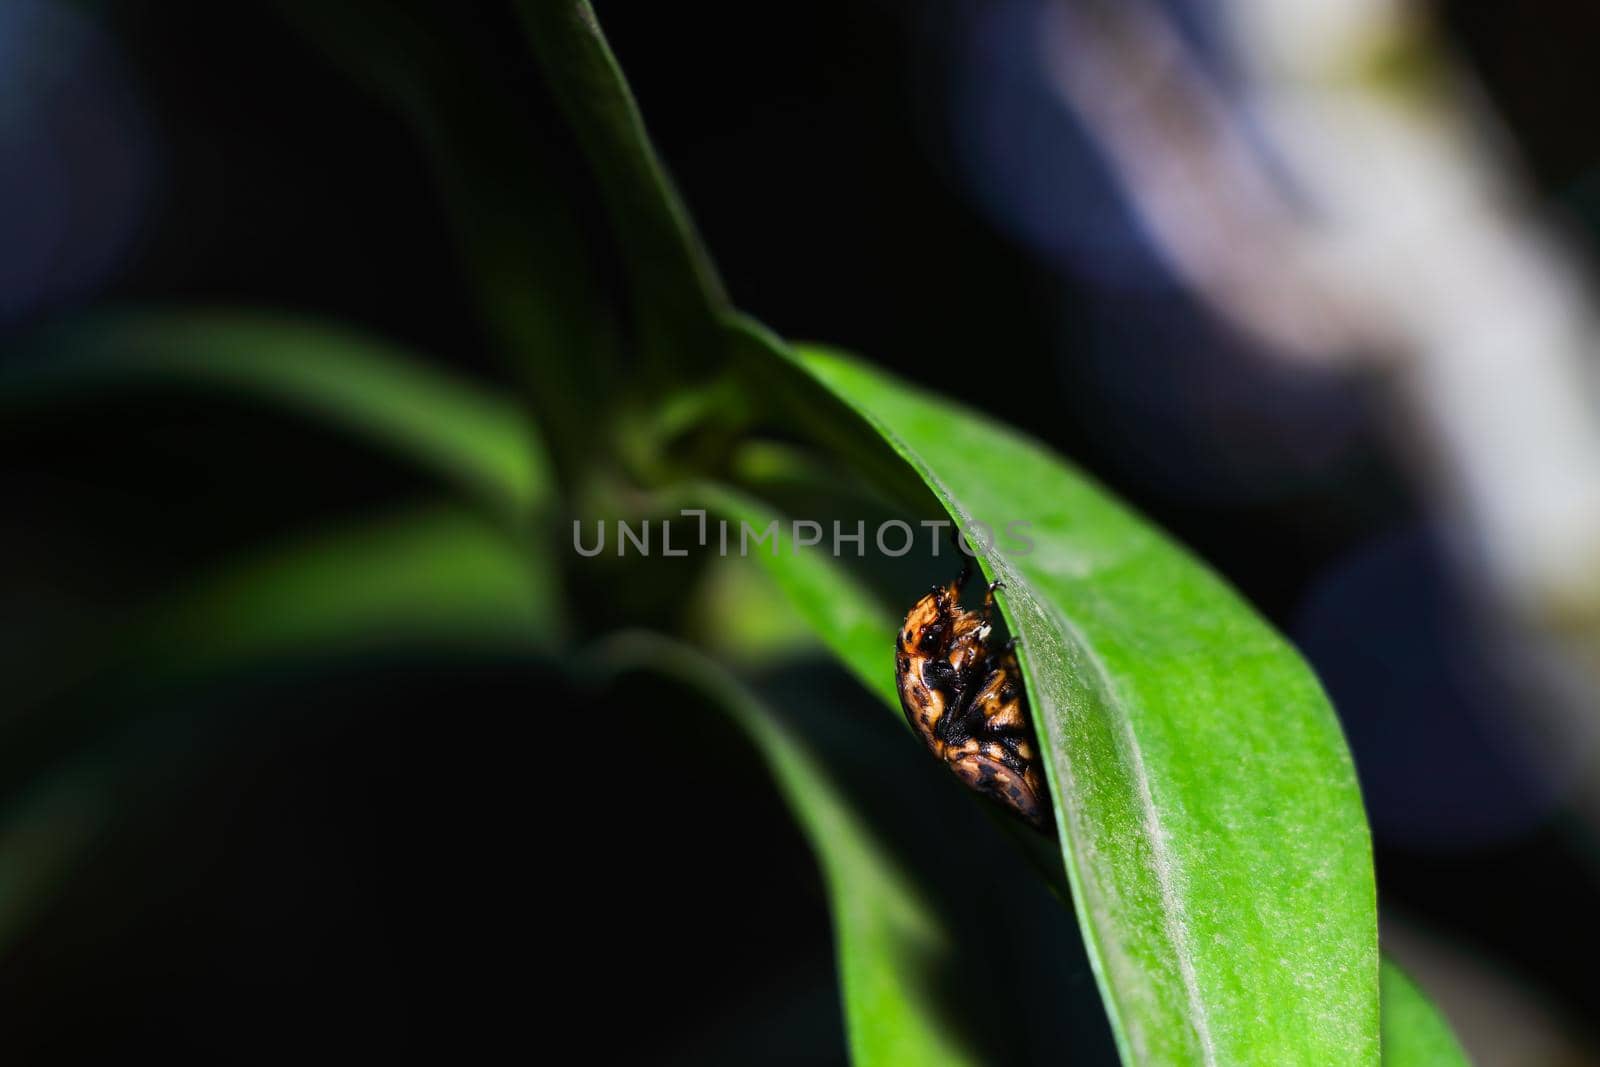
(965, 698)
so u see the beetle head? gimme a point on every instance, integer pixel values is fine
(929, 624)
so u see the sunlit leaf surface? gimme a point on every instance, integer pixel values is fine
(1208, 809)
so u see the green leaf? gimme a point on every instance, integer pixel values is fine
(1207, 805)
(849, 620)
(468, 434)
(1414, 1033)
(851, 623)
(889, 942)
(676, 292)
(440, 576)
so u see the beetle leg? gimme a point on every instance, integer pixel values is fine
(988, 599)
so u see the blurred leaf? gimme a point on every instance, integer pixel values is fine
(849, 620)
(42, 835)
(1210, 818)
(676, 293)
(739, 615)
(888, 940)
(468, 434)
(1414, 1033)
(441, 576)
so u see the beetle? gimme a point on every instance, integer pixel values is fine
(965, 698)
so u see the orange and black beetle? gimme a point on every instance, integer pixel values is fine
(965, 700)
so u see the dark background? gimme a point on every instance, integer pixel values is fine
(361, 859)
